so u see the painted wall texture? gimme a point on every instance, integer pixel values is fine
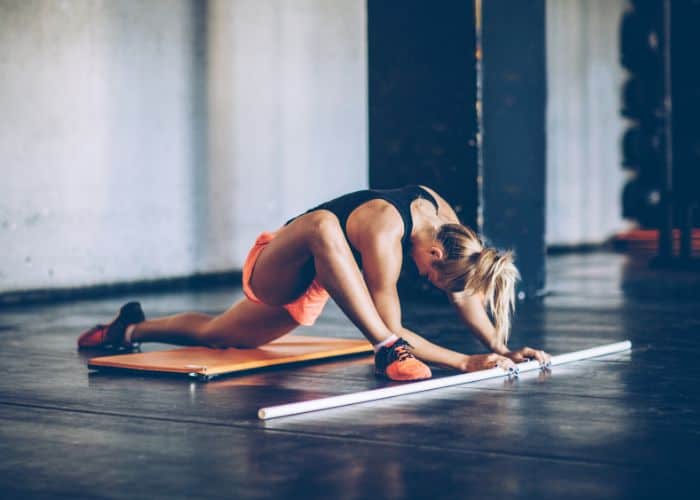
(143, 140)
(584, 127)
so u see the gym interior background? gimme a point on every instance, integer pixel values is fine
(238, 115)
(145, 144)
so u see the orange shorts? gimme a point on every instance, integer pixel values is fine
(306, 308)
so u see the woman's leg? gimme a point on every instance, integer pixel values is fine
(315, 245)
(312, 247)
(246, 324)
(317, 242)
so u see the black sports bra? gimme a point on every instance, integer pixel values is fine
(401, 198)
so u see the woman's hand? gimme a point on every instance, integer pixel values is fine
(528, 353)
(476, 362)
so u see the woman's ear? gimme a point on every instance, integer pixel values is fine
(437, 252)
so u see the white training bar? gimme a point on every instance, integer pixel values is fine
(427, 385)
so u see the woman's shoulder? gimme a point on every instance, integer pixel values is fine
(375, 220)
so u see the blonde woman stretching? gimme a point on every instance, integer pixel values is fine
(352, 249)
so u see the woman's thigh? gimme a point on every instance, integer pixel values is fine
(285, 267)
(248, 324)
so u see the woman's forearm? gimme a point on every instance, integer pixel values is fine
(427, 351)
(487, 335)
(472, 312)
(432, 353)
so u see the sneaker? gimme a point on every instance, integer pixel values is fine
(396, 362)
(111, 336)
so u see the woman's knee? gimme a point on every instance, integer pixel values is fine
(327, 234)
(212, 336)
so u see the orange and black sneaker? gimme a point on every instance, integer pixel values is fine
(111, 336)
(396, 362)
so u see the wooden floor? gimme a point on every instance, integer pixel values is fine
(621, 427)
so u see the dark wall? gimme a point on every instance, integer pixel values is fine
(685, 97)
(514, 141)
(423, 119)
(422, 94)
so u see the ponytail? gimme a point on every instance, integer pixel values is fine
(496, 276)
(471, 267)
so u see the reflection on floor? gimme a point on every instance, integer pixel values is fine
(627, 426)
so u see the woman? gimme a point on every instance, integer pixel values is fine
(352, 249)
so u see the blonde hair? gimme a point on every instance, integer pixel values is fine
(470, 266)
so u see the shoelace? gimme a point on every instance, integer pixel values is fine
(402, 352)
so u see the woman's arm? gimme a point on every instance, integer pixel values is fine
(470, 308)
(432, 353)
(386, 299)
(381, 261)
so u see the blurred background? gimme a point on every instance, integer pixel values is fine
(147, 141)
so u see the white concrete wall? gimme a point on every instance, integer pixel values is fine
(143, 140)
(584, 177)
(295, 74)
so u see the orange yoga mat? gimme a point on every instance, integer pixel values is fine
(204, 362)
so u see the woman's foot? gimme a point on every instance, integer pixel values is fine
(111, 336)
(396, 362)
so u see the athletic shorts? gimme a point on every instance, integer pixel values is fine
(306, 308)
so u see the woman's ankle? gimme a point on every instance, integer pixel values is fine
(387, 341)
